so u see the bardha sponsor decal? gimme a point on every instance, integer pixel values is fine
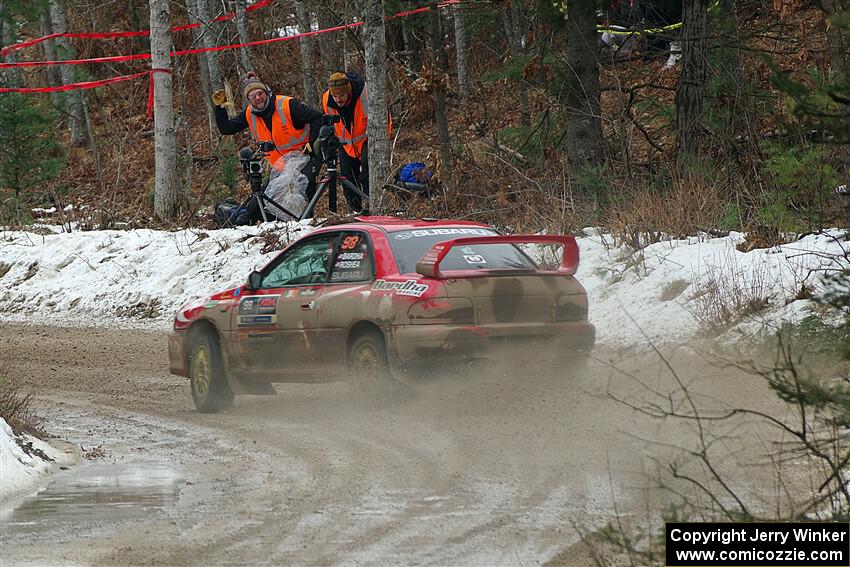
(410, 287)
(418, 233)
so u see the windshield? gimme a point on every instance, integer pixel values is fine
(410, 245)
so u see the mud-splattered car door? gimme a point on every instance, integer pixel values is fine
(345, 298)
(276, 325)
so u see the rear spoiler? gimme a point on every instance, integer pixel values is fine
(429, 265)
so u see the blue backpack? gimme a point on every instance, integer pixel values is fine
(414, 173)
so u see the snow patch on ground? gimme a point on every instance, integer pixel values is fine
(21, 472)
(139, 278)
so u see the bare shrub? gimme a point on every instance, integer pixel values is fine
(728, 294)
(15, 409)
(689, 206)
(804, 443)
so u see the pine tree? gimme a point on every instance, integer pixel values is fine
(30, 154)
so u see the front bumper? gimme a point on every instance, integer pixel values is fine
(177, 362)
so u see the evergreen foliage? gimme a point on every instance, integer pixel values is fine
(30, 154)
(803, 182)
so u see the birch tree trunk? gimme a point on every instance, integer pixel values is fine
(307, 60)
(242, 31)
(206, 86)
(208, 40)
(439, 90)
(376, 79)
(73, 99)
(167, 194)
(207, 61)
(582, 97)
(460, 56)
(690, 92)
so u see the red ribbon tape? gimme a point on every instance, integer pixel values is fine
(150, 88)
(113, 35)
(74, 86)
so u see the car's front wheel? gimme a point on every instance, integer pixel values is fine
(368, 369)
(210, 390)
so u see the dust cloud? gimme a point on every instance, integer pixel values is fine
(499, 463)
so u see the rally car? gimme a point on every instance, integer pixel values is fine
(376, 300)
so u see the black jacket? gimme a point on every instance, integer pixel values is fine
(347, 111)
(302, 114)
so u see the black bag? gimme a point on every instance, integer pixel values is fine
(229, 213)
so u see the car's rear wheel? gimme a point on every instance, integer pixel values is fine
(368, 369)
(210, 390)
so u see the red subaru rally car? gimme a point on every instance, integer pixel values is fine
(376, 301)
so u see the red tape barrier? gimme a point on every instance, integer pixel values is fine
(92, 85)
(113, 35)
(140, 56)
(73, 86)
(150, 88)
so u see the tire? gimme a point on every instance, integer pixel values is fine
(369, 373)
(210, 390)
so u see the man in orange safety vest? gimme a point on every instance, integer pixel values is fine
(348, 97)
(285, 121)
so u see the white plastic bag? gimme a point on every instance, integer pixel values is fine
(288, 186)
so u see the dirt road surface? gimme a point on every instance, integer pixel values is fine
(491, 469)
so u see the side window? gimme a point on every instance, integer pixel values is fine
(352, 259)
(307, 263)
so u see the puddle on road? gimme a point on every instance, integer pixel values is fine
(94, 495)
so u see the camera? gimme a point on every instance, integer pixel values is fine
(252, 163)
(329, 143)
(331, 119)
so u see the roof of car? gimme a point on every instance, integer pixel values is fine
(392, 224)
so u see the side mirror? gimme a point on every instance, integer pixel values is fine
(255, 278)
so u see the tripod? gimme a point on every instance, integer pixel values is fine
(259, 196)
(252, 164)
(331, 179)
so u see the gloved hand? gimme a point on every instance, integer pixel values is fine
(219, 97)
(315, 148)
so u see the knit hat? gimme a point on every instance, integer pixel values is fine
(339, 84)
(251, 83)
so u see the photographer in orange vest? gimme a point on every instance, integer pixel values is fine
(285, 121)
(348, 97)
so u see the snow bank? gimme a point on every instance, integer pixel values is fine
(139, 278)
(20, 472)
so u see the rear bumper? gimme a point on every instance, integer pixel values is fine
(423, 342)
(177, 354)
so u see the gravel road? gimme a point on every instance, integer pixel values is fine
(496, 468)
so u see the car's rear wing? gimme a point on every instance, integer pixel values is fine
(429, 265)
